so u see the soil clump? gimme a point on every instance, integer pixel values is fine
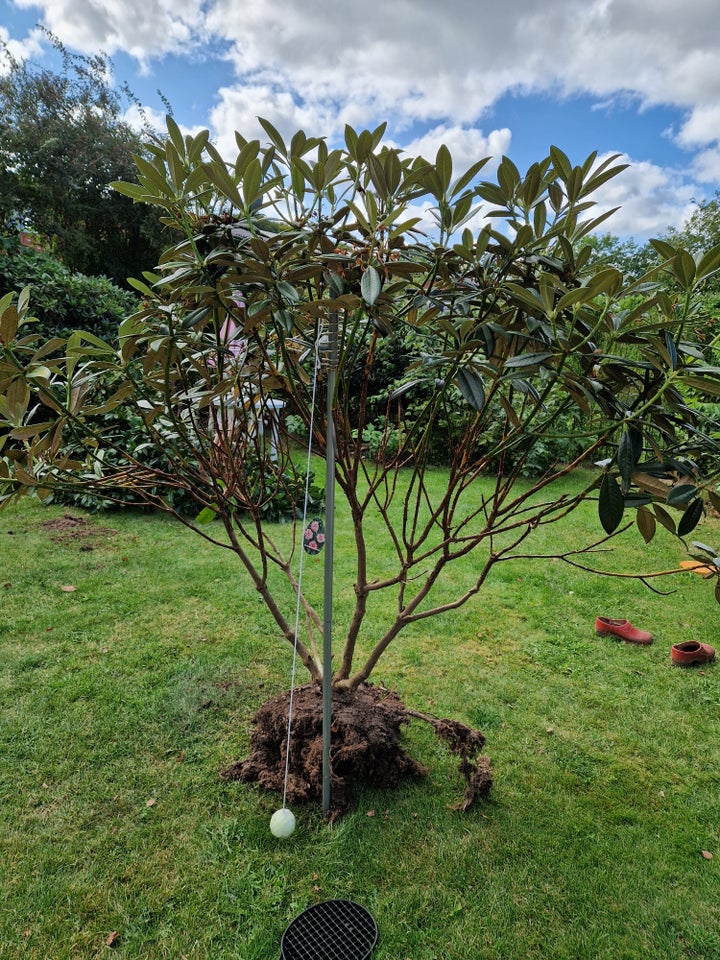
(366, 748)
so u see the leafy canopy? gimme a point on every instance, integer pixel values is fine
(62, 141)
(294, 261)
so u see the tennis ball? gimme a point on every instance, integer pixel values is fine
(282, 823)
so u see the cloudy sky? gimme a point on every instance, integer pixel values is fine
(636, 77)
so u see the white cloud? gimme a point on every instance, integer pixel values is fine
(142, 28)
(416, 63)
(20, 50)
(466, 145)
(238, 108)
(650, 198)
(414, 59)
(706, 166)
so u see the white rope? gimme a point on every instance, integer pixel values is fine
(300, 568)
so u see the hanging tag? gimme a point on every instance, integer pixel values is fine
(314, 537)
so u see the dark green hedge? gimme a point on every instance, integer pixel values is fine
(63, 300)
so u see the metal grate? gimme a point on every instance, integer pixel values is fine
(334, 930)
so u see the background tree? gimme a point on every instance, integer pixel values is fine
(633, 259)
(517, 329)
(62, 142)
(702, 230)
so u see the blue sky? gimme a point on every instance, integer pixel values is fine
(617, 76)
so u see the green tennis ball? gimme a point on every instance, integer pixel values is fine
(282, 823)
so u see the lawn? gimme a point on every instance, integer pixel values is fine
(122, 699)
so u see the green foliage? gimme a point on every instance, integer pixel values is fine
(62, 300)
(702, 230)
(301, 280)
(62, 141)
(633, 259)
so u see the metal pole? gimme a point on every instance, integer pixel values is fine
(332, 359)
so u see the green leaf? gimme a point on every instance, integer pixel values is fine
(471, 387)
(247, 154)
(705, 384)
(664, 517)
(206, 515)
(560, 162)
(646, 523)
(711, 551)
(708, 263)
(405, 388)
(216, 172)
(691, 517)
(252, 181)
(287, 291)
(611, 505)
(377, 175)
(133, 190)
(684, 268)
(468, 176)
(539, 218)
(443, 165)
(629, 451)
(681, 494)
(529, 359)
(370, 285)
(275, 137)
(671, 349)
(175, 135)
(508, 177)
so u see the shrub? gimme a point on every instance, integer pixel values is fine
(62, 300)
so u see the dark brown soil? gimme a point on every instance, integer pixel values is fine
(366, 747)
(70, 528)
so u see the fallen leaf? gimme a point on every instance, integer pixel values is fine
(707, 854)
(151, 802)
(7, 585)
(701, 568)
(112, 939)
(67, 588)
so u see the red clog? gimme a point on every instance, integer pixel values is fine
(623, 630)
(691, 653)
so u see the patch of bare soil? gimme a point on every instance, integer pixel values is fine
(366, 747)
(69, 528)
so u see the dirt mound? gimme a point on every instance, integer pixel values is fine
(366, 749)
(69, 527)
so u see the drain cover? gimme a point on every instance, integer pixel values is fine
(334, 930)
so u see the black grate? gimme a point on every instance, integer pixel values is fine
(334, 930)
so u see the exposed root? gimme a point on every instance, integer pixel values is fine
(466, 743)
(365, 747)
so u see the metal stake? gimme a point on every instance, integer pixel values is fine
(329, 551)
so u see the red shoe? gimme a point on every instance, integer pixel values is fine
(623, 630)
(690, 653)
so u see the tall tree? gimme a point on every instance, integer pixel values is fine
(62, 142)
(519, 330)
(702, 230)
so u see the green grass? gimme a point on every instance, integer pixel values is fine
(121, 701)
